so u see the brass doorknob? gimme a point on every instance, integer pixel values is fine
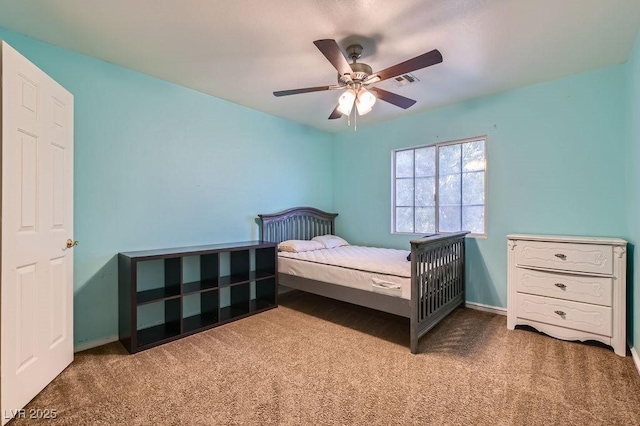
(71, 243)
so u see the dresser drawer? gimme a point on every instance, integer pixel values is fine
(578, 316)
(589, 258)
(597, 290)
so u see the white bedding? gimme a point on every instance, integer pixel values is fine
(381, 270)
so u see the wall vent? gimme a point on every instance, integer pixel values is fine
(404, 79)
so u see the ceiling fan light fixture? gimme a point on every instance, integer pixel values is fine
(362, 109)
(365, 101)
(345, 103)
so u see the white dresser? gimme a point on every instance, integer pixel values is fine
(571, 288)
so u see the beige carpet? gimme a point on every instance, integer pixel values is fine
(316, 361)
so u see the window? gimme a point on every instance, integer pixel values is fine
(440, 188)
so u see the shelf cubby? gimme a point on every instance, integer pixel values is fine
(235, 301)
(266, 293)
(266, 261)
(200, 311)
(200, 273)
(240, 299)
(158, 280)
(165, 294)
(158, 322)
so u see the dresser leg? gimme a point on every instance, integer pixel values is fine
(620, 349)
(511, 321)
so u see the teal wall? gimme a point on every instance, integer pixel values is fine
(555, 165)
(633, 195)
(159, 165)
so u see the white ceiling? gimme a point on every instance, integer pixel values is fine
(243, 50)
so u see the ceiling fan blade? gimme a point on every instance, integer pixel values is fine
(332, 52)
(305, 90)
(419, 62)
(392, 98)
(335, 114)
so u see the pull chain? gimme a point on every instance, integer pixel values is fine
(355, 120)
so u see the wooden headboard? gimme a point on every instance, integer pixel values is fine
(298, 223)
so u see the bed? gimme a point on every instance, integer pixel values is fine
(432, 283)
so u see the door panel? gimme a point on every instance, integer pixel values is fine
(58, 300)
(57, 182)
(29, 182)
(29, 97)
(36, 274)
(26, 324)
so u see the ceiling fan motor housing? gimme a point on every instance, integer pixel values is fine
(354, 51)
(359, 72)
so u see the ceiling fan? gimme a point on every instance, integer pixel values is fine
(357, 78)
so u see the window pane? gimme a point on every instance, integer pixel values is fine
(404, 219)
(459, 183)
(449, 158)
(426, 162)
(404, 192)
(473, 188)
(473, 156)
(425, 191)
(473, 219)
(404, 163)
(449, 219)
(425, 220)
(449, 190)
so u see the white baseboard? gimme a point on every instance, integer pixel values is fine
(486, 308)
(90, 344)
(636, 358)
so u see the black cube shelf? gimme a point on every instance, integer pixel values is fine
(160, 306)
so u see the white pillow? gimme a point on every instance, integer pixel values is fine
(330, 241)
(297, 246)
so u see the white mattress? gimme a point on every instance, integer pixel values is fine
(381, 270)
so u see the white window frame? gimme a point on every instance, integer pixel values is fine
(437, 176)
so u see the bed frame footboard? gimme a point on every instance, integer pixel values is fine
(437, 281)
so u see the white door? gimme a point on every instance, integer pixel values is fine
(36, 277)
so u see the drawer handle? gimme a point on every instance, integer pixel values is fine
(560, 285)
(561, 256)
(561, 313)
